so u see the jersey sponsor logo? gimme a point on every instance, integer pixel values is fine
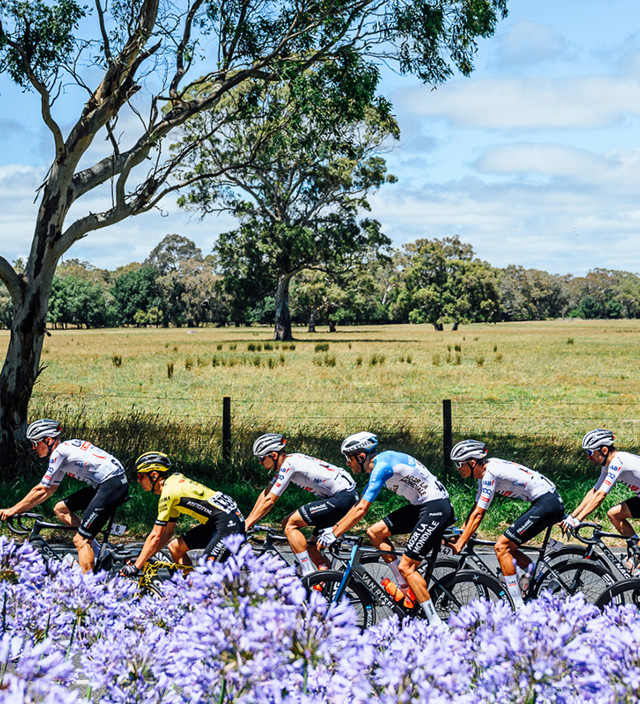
(487, 490)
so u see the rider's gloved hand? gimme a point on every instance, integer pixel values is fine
(569, 522)
(130, 570)
(326, 538)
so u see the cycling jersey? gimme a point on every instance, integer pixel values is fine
(317, 476)
(81, 460)
(182, 495)
(510, 479)
(405, 476)
(624, 467)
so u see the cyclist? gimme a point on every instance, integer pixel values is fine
(426, 517)
(335, 487)
(615, 466)
(82, 460)
(217, 514)
(497, 476)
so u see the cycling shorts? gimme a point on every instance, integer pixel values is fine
(633, 504)
(98, 503)
(543, 512)
(426, 523)
(328, 511)
(208, 536)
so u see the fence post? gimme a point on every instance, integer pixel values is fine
(226, 428)
(447, 436)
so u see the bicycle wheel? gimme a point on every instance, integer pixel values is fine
(575, 576)
(327, 582)
(625, 592)
(461, 588)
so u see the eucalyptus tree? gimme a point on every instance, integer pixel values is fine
(295, 163)
(112, 81)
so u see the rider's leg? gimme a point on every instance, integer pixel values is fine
(85, 552)
(292, 529)
(505, 552)
(65, 516)
(409, 570)
(179, 551)
(379, 534)
(619, 516)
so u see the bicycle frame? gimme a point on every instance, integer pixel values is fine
(596, 543)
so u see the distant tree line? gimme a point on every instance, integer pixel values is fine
(435, 281)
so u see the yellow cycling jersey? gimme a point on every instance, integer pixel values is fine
(183, 495)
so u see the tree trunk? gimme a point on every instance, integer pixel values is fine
(312, 319)
(332, 326)
(455, 326)
(282, 330)
(22, 363)
(438, 326)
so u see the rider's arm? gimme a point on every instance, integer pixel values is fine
(263, 505)
(355, 514)
(156, 540)
(590, 503)
(470, 527)
(36, 496)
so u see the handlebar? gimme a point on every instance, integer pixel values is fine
(595, 535)
(15, 525)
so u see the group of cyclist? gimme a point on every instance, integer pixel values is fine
(336, 508)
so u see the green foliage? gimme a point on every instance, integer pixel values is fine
(77, 301)
(441, 281)
(136, 290)
(36, 37)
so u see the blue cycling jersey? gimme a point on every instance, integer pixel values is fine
(404, 475)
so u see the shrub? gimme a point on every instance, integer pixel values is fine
(116, 360)
(321, 347)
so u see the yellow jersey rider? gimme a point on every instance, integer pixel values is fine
(217, 514)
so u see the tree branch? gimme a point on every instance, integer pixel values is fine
(10, 279)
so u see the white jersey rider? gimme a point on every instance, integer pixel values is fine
(335, 487)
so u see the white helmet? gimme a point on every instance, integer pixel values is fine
(43, 428)
(268, 443)
(468, 450)
(359, 442)
(595, 439)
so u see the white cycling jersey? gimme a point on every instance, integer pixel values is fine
(404, 475)
(511, 479)
(81, 460)
(317, 476)
(624, 467)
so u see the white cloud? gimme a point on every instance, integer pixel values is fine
(527, 103)
(530, 43)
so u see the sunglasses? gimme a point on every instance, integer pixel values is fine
(459, 465)
(591, 453)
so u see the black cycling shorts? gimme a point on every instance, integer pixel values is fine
(98, 504)
(328, 511)
(633, 504)
(543, 512)
(426, 523)
(209, 535)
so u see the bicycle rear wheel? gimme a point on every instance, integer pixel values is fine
(625, 592)
(327, 583)
(573, 576)
(461, 588)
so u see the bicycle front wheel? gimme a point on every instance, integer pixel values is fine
(571, 577)
(327, 583)
(461, 588)
(625, 592)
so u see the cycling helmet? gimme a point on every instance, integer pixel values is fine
(468, 450)
(359, 442)
(268, 443)
(153, 462)
(595, 439)
(43, 428)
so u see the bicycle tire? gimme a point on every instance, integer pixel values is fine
(573, 576)
(461, 588)
(327, 582)
(574, 552)
(627, 591)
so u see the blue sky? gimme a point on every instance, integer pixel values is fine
(534, 159)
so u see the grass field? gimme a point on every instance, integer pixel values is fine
(530, 389)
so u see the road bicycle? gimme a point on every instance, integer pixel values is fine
(109, 557)
(598, 551)
(560, 576)
(367, 595)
